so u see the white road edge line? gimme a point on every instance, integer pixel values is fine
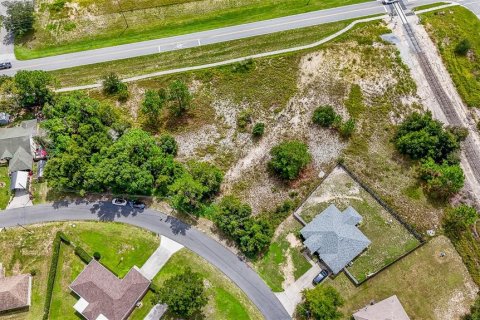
(230, 61)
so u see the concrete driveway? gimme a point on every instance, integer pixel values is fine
(158, 259)
(20, 199)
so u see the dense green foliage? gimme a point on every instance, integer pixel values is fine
(152, 105)
(184, 294)
(111, 84)
(347, 128)
(180, 99)
(19, 17)
(459, 219)
(168, 144)
(324, 116)
(320, 303)
(463, 47)
(289, 158)
(442, 180)
(32, 88)
(234, 218)
(258, 129)
(420, 136)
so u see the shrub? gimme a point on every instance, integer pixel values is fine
(33, 272)
(51, 275)
(347, 128)
(442, 180)
(112, 85)
(208, 175)
(243, 66)
(463, 47)
(97, 256)
(289, 158)
(324, 116)
(321, 303)
(180, 99)
(457, 220)
(123, 95)
(244, 118)
(258, 129)
(168, 144)
(82, 254)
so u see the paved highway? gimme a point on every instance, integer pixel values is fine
(215, 253)
(204, 37)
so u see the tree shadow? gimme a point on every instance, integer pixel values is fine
(177, 226)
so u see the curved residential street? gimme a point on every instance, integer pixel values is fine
(215, 253)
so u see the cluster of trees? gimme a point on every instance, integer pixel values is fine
(326, 117)
(184, 294)
(19, 17)
(26, 90)
(234, 218)
(437, 148)
(92, 148)
(459, 219)
(289, 158)
(177, 98)
(320, 303)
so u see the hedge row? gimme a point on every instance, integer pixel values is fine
(51, 274)
(82, 254)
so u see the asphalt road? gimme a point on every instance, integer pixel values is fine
(215, 253)
(204, 37)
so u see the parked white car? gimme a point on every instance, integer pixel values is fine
(119, 202)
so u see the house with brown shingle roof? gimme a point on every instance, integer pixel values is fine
(388, 309)
(15, 291)
(104, 296)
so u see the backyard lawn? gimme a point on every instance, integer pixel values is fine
(390, 239)
(4, 187)
(76, 25)
(429, 287)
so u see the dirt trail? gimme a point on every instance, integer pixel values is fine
(426, 94)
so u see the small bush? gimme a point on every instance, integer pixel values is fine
(463, 47)
(123, 95)
(97, 256)
(168, 144)
(258, 129)
(244, 118)
(243, 66)
(83, 255)
(112, 85)
(289, 158)
(347, 128)
(324, 116)
(33, 272)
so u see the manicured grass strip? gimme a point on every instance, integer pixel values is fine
(429, 6)
(5, 188)
(197, 56)
(269, 267)
(447, 30)
(175, 25)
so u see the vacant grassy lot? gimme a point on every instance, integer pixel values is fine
(429, 286)
(448, 28)
(283, 262)
(68, 26)
(198, 55)
(225, 300)
(4, 187)
(389, 238)
(31, 252)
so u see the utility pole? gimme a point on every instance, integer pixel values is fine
(123, 15)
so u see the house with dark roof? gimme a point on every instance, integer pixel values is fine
(17, 146)
(388, 309)
(15, 291)
(335, 237)
(104, 296)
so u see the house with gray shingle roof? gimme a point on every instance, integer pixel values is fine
(335, 237)
(16, 146)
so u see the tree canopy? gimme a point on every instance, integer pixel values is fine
(442, 180)
(320, 303)
(458, 219)
(289, 158)
(32, 88)
(324, 116)
(180, 99)
(184, 293)
(19, 17)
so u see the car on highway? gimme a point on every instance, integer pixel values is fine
(119, 202)
(320, 277)
(389, 1)
(135, 204)
(5, 65)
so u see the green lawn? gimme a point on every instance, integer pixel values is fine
(4, 187)
(389, 238)
(99, 24)
(198, 55)
(429, 6)
(428, 286)
(447, 30)
(225, 300)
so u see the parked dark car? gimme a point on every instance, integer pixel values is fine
(135, 204)
(5, 65)
(320, 277)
